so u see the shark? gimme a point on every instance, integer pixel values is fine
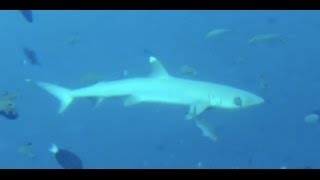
(162, 88)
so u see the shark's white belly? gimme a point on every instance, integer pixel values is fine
(169, 91)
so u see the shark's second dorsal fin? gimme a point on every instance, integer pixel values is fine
(157, 71)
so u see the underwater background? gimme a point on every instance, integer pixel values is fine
(75, 47)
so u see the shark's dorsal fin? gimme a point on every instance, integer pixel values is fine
(157, 71)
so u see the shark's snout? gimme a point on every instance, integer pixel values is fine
(253, 100)
(260, 100)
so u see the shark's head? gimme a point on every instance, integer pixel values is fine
(247, 100)
(236, 100)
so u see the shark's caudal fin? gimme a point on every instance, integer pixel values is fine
(61, 93)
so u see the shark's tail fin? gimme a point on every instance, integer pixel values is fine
(63, 94)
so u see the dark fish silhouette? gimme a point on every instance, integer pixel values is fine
(11, 115)
(66, 158)
(31, 56)
(27, 14)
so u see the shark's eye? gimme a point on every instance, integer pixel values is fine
(237, 101)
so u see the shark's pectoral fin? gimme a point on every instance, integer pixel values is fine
(206, 129)
(196, 109)
(132, 100)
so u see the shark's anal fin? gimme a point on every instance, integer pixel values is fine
(158, 70)
(96, 101)
(207, 129)
(131, 100)
(196, 109)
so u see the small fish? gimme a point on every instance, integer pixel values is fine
(27, 14)
(26, 150)
(206, 129)
(11, 115)
(31, 56)
(66, 158)
(8, 107)
(217, 32)
(312, 118)
(264, 37)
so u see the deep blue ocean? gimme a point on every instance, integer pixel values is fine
(71, 45)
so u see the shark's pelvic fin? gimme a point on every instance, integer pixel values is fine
(61, 93)
(158, 70)
(131, 100)
(96, 101)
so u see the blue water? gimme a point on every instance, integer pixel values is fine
(271, 135)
